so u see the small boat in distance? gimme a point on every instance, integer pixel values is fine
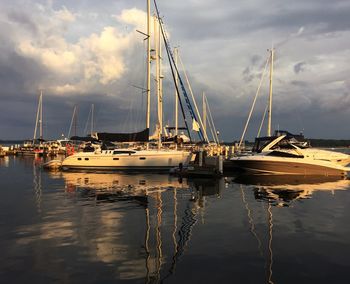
(283, 154)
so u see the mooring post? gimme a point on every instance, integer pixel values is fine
(220, 165)
(200, 162)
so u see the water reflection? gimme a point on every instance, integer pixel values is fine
(167, 220)
(269, 255)
(37, 186)
(4, 161)
(100, 227)
(283, 190)
(251, 220)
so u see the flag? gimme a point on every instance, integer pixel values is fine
(195, 125)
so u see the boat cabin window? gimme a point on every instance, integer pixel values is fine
(284, 154)
(119, 152)
(283, 145)
(261, 143)
(116, 159)
(79, 159)
(86, 159)
(142, 158)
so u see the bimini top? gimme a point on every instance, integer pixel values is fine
(281, 139)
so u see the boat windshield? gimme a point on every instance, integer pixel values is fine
(261, 143)
(119, 152)
(285, 154)
(286, 143)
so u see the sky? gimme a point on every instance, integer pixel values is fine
(88, 52)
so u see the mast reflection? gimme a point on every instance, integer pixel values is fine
(169, 218)
(37, 185)
(283, 190)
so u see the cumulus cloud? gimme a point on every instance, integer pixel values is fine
(98, 58)
(85, 50)
(65, 15)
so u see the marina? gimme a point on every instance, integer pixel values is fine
(174, 142)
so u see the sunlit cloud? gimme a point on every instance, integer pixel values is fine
(99, 57)
(90, 52)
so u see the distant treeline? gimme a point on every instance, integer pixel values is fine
(329, 143)
(313, 142)
(326, 143)
(12, 142)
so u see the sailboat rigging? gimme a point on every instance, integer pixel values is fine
(133, 157)
(288, 154)
(174, 69)
(39, 119)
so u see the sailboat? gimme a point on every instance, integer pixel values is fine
(286, 154)
(35, 146)
(133, 158)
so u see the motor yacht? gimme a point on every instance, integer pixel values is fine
(284, 154)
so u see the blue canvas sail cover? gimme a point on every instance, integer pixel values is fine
(142, 136)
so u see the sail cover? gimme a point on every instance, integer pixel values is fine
(84, 139)
(141, 136)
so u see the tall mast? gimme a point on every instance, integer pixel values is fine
(158, 80)
(41, 114)
(75, 121)
(39, 117)
(270, 94)
(72, 121)
(176, 94)
(92, 118)
(148, 64)
(36, 120)
(204, 114)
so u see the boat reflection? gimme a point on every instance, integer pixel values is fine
(162, 233)
(283, 190)
(115, 186)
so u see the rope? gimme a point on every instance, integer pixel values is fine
(173, 65)
(194, 101)
(211, 121)
(262, 120)
(252, 108)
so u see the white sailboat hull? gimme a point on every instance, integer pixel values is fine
(143, 160)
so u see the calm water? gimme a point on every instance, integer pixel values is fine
(76, 227)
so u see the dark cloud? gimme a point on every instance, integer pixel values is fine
(299, 67)
(22, 19)
(222, 18)
(224, 46)
(299, 83)
(17, 74)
